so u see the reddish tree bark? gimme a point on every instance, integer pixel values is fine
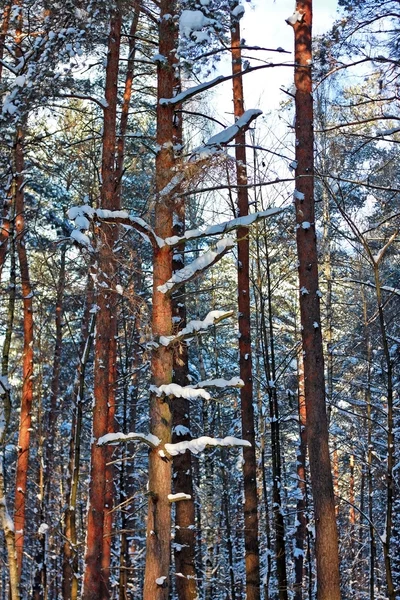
(250, 507)
(301, 529)
(96, 571)
(326, 545)
(21, 476)
(156, 584)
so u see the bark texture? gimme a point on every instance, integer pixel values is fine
(326, 545)
(156, 584)
(252, 558)
(96, 571)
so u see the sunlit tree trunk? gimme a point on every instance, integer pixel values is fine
(5, 411)
(156, 584)
(21, 477)
(326, 545)
(252, 559)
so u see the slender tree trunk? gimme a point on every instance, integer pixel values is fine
(156, 584)
(5, 411)
(126, 101)
(326, 545)
(70, 548)
(387, 542)
(252, 558)
(95, 585)
(21, 477)
(370, 488)
(185, 533)
(301, 529)
(127, 469)
(228, 526)
(5, 217)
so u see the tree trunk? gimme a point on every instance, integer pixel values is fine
(250, 507)
(156, 583)
(21, 476)
(95, 585)
(70, 548)
(326, 546)
(185, 533)
(5, 411)
(301, 529)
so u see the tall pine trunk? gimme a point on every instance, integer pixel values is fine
(21, 477)
(326, 544)
(252, 558)
(158, 543)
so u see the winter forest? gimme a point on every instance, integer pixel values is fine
(200, 351)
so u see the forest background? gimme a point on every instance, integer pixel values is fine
(199, 282)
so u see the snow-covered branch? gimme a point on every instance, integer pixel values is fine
(228, 134)
(199, 444)
(179, 391)
(221, 383)
(115, 438)
(197, 266)
(225, 227)
(207, 85)
(82, 215)
(195, 326)
(384, 288)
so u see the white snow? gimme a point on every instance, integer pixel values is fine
(192, 20)
(160, 580)
(43, 528)
(20, 80)
(81, 238)
(114, 438)
(306, 225)
(296, 17)
(197, 266)
(173, 389)
(178, 497)
(198, 445)
(298, 195)
(181, 430)
(238, 11)
(297, 552)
